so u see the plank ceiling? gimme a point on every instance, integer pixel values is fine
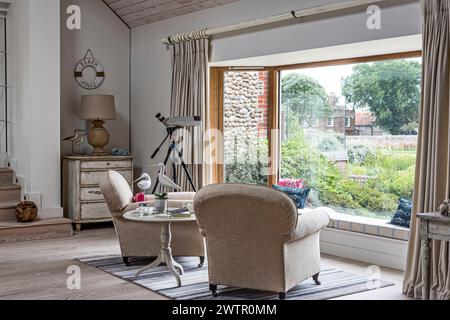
(139, 12)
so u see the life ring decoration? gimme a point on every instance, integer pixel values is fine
(89, 62)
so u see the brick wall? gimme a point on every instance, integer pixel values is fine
(263, 104)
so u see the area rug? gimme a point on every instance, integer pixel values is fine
(335, 283)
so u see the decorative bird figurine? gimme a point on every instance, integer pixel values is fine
(165, 180)
(76, 138)
(144, 182)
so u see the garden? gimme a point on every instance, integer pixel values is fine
(370, 183)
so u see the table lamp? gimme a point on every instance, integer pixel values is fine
(97, 108)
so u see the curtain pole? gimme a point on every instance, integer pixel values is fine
(205, 33)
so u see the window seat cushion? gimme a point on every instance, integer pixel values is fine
(365, 225)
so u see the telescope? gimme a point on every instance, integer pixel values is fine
(180, 122)
(172, 125)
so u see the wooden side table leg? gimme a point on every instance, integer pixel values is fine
(426, 265)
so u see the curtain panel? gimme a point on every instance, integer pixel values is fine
(432, 182)
(189, 98)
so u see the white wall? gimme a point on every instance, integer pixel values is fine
(34, 44)
(109, 40)
(151, 75)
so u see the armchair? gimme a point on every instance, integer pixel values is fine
(255, 239)
(144, 239)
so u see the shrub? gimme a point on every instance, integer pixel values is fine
(357, 154)
(393, 177)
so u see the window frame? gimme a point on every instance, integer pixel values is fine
(349, 123)
(330, 122)
(216, 102)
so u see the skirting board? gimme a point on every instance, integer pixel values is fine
(370, 249)
(51, 213)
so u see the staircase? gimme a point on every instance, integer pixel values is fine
(12, 231)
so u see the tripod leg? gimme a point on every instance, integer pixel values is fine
(165, 164)
(188, 175)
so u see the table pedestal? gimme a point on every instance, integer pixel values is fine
(165, 256)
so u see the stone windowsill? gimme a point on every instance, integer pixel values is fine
(365, 225)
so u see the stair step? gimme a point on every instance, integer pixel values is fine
(8, 211)
(12, 231)
(10, 192)
(6, 176)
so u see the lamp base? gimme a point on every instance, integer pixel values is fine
(98, 138)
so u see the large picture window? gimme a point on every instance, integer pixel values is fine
(362, 160)
(347, 128)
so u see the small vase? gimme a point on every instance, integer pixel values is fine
(161, 205)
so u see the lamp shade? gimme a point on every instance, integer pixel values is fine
(98, 107)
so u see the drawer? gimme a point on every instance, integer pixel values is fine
(94, 178)
(91, 194)
(105, 165)
(91, 211)
(439, 229)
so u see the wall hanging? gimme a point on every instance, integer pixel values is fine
(89, 61)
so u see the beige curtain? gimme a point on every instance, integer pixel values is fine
(189, 98)
(433, 159)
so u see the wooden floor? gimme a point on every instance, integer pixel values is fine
(37, 270)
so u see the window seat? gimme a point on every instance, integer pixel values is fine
(364, 225)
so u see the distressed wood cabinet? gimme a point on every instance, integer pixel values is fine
(433, 226)
(82, 198)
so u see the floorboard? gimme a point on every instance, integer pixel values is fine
(37, 270)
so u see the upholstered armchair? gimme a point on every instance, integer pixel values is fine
(256, 240)
(144, 239)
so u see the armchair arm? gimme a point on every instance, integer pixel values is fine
(310, 223)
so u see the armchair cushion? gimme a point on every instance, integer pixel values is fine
(116, 191)
(310, 223)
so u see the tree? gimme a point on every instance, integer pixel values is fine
(390, 89)
(305, 98)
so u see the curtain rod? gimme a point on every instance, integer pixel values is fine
(205, 33)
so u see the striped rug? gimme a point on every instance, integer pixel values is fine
(335, 283)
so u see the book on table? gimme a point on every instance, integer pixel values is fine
(180, 213)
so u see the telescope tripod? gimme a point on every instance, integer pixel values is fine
(173, 147)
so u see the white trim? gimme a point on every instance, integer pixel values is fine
(370, 249)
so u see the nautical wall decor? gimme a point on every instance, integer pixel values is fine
(89, 62)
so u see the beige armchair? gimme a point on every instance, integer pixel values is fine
(255, 239)
(144, 239)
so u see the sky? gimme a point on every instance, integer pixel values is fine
(330, 77)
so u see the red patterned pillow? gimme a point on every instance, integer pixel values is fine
(292, 183)
(140, 197)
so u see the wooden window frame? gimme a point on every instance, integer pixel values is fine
(216, 102)
(216, 118)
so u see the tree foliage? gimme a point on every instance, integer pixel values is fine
(391, 90)
(304, 97)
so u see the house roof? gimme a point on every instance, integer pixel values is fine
(364, 118)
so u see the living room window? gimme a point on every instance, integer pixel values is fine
(361, 168)
(348, 128)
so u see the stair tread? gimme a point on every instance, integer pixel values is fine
(10, 187)
(8, 204)
(6, 170)
(44, 222)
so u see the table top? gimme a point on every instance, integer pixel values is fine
(155, 218)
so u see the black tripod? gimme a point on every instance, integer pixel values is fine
(173, 147)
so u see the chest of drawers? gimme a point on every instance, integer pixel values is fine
(82, 198)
